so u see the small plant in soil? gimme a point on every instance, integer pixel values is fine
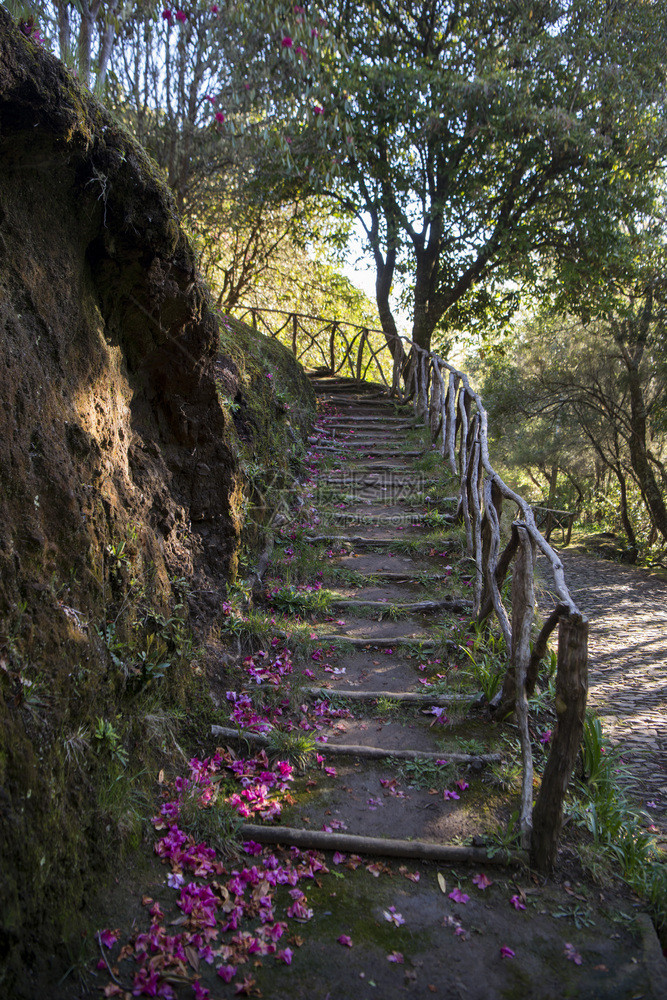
(471, 746)
(487, 673)
(424, 773)
(289, 600)
(295, 747)
(387, 708)
(580, 916)
(77, 746)
(216, 824)
(109, 741)
(506, 838)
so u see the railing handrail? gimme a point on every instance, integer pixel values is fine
(444, 399)
(319, 319)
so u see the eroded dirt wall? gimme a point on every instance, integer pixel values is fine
(119, 478)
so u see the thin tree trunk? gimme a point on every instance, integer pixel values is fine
(625, 516)
(423, 319)
(85, 44)
(64, 34)
(631, 337)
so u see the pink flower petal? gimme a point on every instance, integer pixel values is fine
(345, 940)
(572, 954)
(458, 895)
(506, 952)
(108, 938)
(396, 956)
(482, 881)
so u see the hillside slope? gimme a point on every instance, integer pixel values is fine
(122, 485)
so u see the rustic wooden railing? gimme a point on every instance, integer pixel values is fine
(444, 400)
(336, 346)
(549, 518)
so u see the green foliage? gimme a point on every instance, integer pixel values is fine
(603, 807)
(290, 601)
(213, 822)
(595, 391)
(109, 741)
(295, 747)
(488, 656)
(465, 144)
(424, 773)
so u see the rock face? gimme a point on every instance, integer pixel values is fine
(118, 468)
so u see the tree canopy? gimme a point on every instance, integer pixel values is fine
(477, 144)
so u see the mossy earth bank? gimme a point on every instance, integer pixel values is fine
(140, 441)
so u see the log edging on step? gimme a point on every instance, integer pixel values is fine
(421, 850)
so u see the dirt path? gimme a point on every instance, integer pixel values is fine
(628, 666)
(292, 917)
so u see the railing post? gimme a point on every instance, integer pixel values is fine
(549, 525)
(332, 348)
(360, 353)
(451, 421)
(434, 407)
(396, 370)
(571, 692)
(493, 497)
(523, 608)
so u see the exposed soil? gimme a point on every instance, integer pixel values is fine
(386, 928)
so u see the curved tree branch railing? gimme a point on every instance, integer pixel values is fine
(444, 400)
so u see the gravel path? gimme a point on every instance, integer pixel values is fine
(628, 665)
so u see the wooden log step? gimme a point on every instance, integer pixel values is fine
(369, 400)
(447, 604)
(382, 642)
(361, 473)
(407, 697)
(415, 517)
(363, 438)
(370, 753)
(374, 451)
(408, 578)
(357, 541)
(421, 850)
(369, 419)
(349, 385)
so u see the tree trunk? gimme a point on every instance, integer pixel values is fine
(84, 45)
(383, 281)
(553, 483)
(640, 460)
(64, 36)
(424, 316)
(631, 337)
(625, 516)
